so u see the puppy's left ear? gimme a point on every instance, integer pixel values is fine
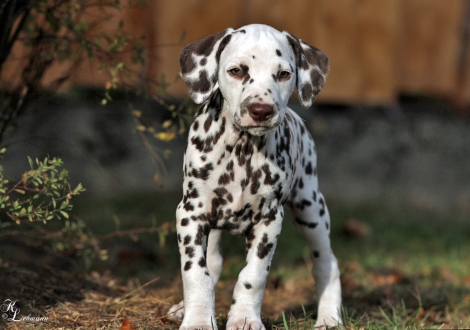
(312, 69)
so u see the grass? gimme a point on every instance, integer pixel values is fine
(411, 271)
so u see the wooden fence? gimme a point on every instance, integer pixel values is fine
(377, 48)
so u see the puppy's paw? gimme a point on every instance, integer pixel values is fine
(245, 325)
(176, 312)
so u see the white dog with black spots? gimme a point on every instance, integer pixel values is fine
(248, 155)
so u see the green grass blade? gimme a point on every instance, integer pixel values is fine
(284, 321)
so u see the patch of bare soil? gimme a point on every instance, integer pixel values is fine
(46, 298)
(97, 301)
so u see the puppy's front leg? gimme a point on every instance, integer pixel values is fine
(249, 291)
(198, 286)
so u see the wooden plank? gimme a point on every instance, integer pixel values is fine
(376, 48)
(430, 46)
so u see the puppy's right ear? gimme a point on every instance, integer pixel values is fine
(199, 64)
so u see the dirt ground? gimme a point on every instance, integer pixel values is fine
(98, 301)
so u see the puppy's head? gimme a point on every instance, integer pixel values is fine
(256, 68)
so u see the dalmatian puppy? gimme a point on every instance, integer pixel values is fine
(248, 155)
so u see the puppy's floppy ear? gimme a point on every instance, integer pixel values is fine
(199, 64)
(312, 69)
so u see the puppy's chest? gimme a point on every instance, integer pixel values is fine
(246, 184)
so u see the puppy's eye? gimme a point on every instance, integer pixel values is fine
(235, 72)
(284, 75)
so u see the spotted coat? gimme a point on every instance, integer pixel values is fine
(248, 155)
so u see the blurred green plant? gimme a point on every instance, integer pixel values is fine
(42, 194)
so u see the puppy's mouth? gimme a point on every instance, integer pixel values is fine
(258, 128)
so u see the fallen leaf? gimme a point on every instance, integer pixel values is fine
(165, 136)
(354, 228)
(126, 324)
(384, 277)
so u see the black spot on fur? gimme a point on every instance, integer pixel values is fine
(224, 179)
(306, 91)
(206, 45)
(316, 254)
(188, 206)
(302, 204)
(314, 196)
(309, 169)
(200, 235)
(192, 194)
(189, 251)
(278, 52)
(269, 179)
(202, 262)
(322, 210)
(247, 285)
(207, 123)
(244, 183)
(187, 265)
(187, 240)
(221, 197)
(255, 183)
(184, 222)
(201, 85)
(310, 225)
(264, 247)
(187, 63)
(223, 43)
(203, 172)
(244, 68)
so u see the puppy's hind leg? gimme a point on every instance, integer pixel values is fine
(313, 220)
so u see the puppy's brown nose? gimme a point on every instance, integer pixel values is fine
(260, 112)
